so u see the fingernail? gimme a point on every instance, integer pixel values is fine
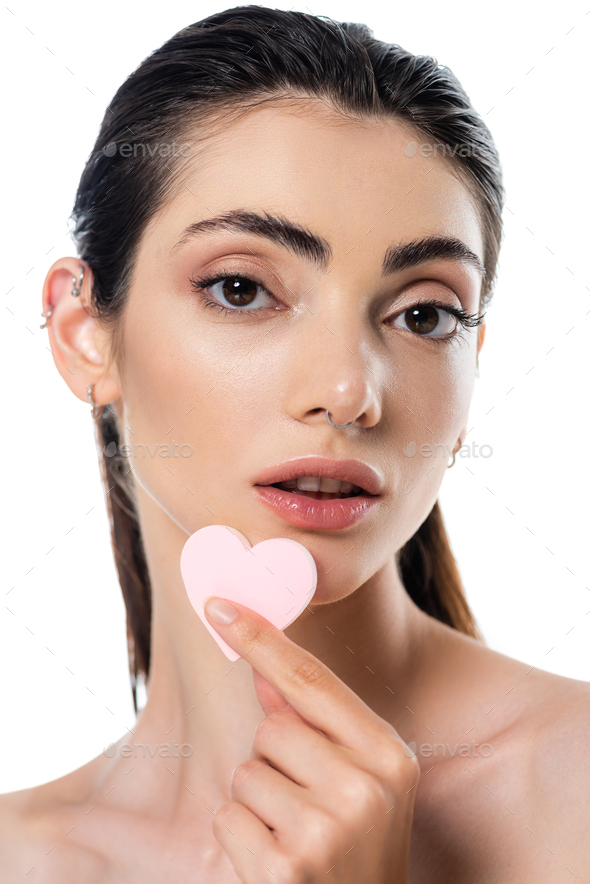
(220, 611)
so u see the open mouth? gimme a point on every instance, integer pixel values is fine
(308, 494)
(321, 489)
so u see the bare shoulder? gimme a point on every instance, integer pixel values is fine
(34, 835)
(550, 712)
(553, 718)
(547, 760)
(525, 811)
(552, 740)
(558, 734)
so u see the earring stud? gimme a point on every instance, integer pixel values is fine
(96, 410)
(76, 289)
(46, 316)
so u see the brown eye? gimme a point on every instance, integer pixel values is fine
(424, 319)
(239, 292)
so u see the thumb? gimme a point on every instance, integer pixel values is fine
(269, 698)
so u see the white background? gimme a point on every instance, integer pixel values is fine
(517, 520)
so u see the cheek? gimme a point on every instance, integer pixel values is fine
(190, 411)
(441, 391)
(431, 397)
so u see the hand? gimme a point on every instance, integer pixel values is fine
(328, 794)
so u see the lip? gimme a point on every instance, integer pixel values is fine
(308, 512)
(355, 471)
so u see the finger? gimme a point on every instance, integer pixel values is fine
(301, 753)
(251, 847)
(269, 698)
(310, 687)
(280, 803)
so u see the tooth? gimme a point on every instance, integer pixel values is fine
(308, 483)
(330, 485)
(324, 484)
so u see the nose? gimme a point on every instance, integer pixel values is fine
(331, 378)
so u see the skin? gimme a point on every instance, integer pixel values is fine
(299, 749)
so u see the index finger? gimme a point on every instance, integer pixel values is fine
(310, 686)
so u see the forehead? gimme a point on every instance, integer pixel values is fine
(352, 181)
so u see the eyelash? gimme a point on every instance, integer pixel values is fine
(201, 284)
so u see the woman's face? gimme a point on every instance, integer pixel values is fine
(247, 390)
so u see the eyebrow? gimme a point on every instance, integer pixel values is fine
(317, 250)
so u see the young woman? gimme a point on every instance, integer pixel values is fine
(288, 233)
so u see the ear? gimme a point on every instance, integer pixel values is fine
(78, 344)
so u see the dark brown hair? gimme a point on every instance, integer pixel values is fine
(207, 74)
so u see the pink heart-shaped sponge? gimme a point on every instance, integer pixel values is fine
(277, 578)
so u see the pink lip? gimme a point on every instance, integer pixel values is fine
(308, 512)
(348, 470)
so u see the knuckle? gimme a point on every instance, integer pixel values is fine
(263, 728)
(400, 770)
(307, 672)
(253, 632)
(244, 772)
(250, 632)
(405, 769)
(321, 832)
(222, 815)
(290, 869)
(388, 731)
(319, 838)
(362, 793)
(412, 769)
(269, 726)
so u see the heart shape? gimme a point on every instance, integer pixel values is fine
(277, 578)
